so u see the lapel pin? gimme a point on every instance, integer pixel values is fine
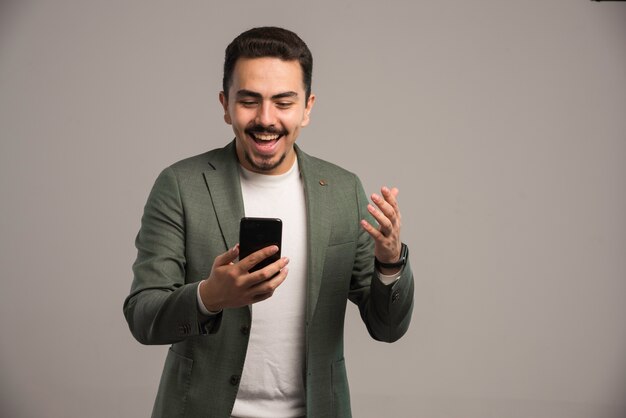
(323, 183)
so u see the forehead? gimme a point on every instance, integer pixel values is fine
(267, 75)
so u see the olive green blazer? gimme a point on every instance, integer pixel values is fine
(191, 216)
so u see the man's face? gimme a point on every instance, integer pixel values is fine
(266, 107)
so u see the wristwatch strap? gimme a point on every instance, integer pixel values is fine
(404, 256)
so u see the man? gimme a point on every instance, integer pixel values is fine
(267, 343)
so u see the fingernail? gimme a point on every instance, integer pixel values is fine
(286, 260)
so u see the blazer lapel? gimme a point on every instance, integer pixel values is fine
(222, 179)
(318, 225)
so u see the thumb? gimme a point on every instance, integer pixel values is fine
(227, 257)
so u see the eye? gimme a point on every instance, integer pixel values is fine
(284, 105)
(248, 103)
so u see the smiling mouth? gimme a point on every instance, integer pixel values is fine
(265, 144)
(264, 138)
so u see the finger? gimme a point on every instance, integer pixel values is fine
(261, 297)
(227, 257)
(391, 196)
(393, 191)
(386, 226)
(374, 232)
(267, 287)
(384, 206)
(256, 257)
(267, 272)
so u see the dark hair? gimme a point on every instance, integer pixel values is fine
(268, 41)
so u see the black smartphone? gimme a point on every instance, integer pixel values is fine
(258, 233)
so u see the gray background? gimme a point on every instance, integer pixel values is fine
(502, 123)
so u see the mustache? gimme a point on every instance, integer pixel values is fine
(260, 129)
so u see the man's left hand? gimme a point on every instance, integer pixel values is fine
(387, 244)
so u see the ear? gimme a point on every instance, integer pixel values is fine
(307, 110)
(224, 102)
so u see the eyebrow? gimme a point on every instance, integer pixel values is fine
(249, 93)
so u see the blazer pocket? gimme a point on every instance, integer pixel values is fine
(342, 233)
(341, 391)
(344, 228)
(174, 386)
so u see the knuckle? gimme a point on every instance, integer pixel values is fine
(254, 259)
(264, 274)
(238, 282)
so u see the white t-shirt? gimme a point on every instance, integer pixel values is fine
(272, 383)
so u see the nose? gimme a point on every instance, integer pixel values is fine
(266, 114)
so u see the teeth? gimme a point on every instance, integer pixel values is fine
(266, 137)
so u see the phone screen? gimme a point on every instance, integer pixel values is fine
(258, 233)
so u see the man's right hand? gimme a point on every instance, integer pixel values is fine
(230, 285)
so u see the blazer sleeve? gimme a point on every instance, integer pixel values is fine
(161, 307)
(385, 309)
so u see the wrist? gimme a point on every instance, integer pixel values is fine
(209, 308)
(395, 266)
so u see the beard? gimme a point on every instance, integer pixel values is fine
(264, 164)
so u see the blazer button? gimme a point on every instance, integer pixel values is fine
(245, 329)
(395, 296)
(234, 380)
